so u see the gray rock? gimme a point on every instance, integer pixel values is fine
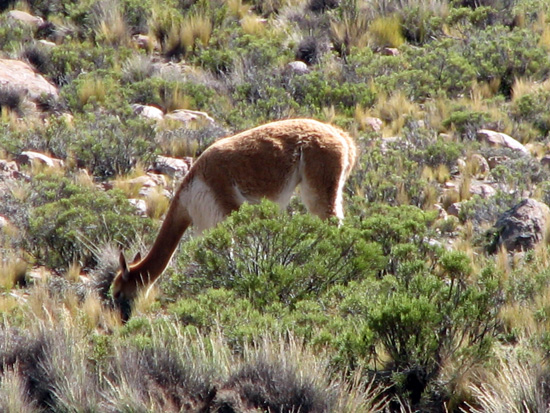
(299, 67)
(28, 157)
(24, 17)
(500, 139)
(171, 166)
(150, 112)
(522, 227)
(21, 76)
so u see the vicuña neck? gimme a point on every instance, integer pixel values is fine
(156, 261)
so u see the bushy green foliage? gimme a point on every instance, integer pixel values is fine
(137, 13)
(332, 287)
(317, 91)
(392, 172)
(465, 121)
(532, 108)
(263, 256)
(70, 221)
(380, 294)
(13, 33)
(104, 144)
(71, 59)
(498, 53)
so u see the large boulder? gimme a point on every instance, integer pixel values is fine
(174, 167)
(501, 140)
(186, 116)
(30, 157)
(21, 76)
(26, 18)
(520, 228)
(150, 112)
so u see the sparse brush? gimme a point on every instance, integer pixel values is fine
(137, 69)
(465, 188)
(350, 31)
(431, 196)
(38, 56)
(522, 87)
(12, 99)
(450, 197)
(110, 24)
(309, 50)
(179, 35)
(183, 142)
(270, 387)
(395, 111)
(442, 173)
(320, 6)
(13, 397)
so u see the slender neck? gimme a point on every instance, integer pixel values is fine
(171, 231)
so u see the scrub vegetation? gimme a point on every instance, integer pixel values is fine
(401, 308)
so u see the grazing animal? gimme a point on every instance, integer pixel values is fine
(268, 161)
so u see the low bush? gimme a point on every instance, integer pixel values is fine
(70, 221)
(416, 306)
(266, 258)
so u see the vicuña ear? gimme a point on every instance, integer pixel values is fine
(123, 265)
(137, 258)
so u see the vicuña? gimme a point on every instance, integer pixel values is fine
(268, 161)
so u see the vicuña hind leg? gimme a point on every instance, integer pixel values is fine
(322, 190)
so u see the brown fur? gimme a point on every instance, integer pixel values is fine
(265, 162)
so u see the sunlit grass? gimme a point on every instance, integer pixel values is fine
(113, 29)
(516, 384)
(395, 110)
(253, 25)
(157, 203)
(386, 31)
(238, 8)
(92, 89)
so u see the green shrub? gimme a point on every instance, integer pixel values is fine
(71, 59)
(532, 108)
(317, 91)
(267, 257)
(137, 13)
(70, 221)
(13, 34)
(170, 95)
(437, 316)
(506, 55)
(437, 68)
(466, 121)
(420, 24)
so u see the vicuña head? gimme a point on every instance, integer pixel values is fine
(265, 162)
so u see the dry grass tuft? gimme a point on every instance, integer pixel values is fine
(518, 384)
(92, 90)
(238, 9)
(157, 203)
(253, 25)
(13, 272)
(394, 110)
(350, 31)
(385, 31)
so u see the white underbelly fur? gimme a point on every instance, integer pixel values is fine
(202, 206)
